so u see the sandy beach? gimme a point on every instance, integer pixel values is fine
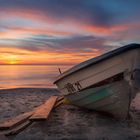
(66, 122)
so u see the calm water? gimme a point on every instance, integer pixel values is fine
(39, 76)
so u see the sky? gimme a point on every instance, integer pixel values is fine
(65, 31)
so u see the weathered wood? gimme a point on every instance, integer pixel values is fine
(15, 121)
(17, 124)
(17, 129)
(60, 98)
(59, 102)
(43, 111)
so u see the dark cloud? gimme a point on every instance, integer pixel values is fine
(95, 12)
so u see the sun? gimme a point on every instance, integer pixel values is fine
(12, 62)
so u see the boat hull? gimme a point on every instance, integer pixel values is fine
(124, 63)
(113, 98)
(106, 83)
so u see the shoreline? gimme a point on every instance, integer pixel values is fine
(65, 122)
(26, 88)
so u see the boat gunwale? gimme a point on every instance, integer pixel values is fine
(98, 59)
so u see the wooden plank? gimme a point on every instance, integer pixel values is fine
(8, 124)
(21, 121)
(15, 121)
(58, 103)
(43, 112)
(17, 129)
(60, 98)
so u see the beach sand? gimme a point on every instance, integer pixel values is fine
(66, 122)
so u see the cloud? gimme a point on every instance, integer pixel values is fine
(79, 45)
(100, 13)
(67, 29)
(71, 44)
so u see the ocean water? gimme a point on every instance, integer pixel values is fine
(28, 76)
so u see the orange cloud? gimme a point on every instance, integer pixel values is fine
(15, 55)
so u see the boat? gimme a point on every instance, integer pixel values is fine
(106, 83)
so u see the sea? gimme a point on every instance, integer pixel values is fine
(29, 76)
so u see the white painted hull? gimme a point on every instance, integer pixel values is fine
(123, 63)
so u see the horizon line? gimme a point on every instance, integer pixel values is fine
(37, 64)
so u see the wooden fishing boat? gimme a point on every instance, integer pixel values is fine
(106, 83)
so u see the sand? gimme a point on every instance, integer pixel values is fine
(66, 122)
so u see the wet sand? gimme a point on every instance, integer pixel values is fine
(66, 122)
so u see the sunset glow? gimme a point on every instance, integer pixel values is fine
(12, 62)
(48, 32)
